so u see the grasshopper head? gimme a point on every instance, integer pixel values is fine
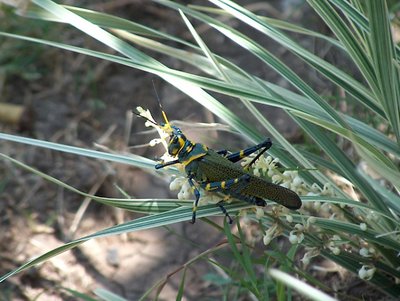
(176, 141)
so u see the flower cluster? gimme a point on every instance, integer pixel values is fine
(150, 122)
(334, 244)
(181, 184)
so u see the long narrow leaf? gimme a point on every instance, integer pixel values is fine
(130, 159)
(301, 103)
(331, 72)
(343, 33)
(344, 163)
(301, 287)
(383, 55)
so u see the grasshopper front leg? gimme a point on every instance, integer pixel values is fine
(196, 196)
(162, 165)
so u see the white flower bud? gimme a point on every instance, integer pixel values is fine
(317, 205)
(297, 181)
(364, 252)
(306, 260)
(293, 237)
(313, 252)
(177, 183)
(296, 237)
(274, 162)
(276, 178)
(155, 141)
(328, 190)
(259, 212)
(315, 188)
(311, 220)
(267, 239)
(270, 234)
(256, 172)
(289, 218)
(366, 272)
(180, 195)
(270, 172)
(299, 227)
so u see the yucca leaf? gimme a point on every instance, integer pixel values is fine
(306, 290)
(350, 42)
(383, 56)
(344, 163)
(130, 159)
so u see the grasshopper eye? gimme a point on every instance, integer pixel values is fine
(174, 139)
(176, 143)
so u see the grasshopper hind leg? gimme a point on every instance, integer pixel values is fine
(249, 199)
(235, 157)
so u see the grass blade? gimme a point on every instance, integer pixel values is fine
(303, 288)
(383, 56)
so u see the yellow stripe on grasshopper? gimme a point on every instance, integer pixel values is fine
(192, 158)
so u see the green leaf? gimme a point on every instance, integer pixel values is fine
(344, 163)
(383, 55)
(303, 288)
(130, 159)
(342, 31)
(107, 295)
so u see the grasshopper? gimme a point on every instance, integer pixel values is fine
(216, 171)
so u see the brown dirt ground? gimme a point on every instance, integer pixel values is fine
(80, 101)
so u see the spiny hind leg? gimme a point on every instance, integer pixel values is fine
(253, 200)
(236, 191)
(226, 184)
(234, 157)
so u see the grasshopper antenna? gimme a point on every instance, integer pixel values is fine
(145, 118)
(167, 124)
